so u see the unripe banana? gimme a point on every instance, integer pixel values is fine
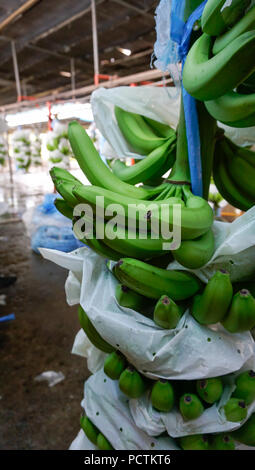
(137, 132)
(58, 174)
(212, 306)
(114, 365)
(162, 396)
(153, 282)
(103, 443)
(64, 209)
(246, 433)
(162, 130)
(92, 333)
(217, 16)
(235, 410)
(233, 109)
(246, 23)
(225, 185)
(210, 390)
(222, 442)
(94, 168)
(208, 78)
(245, 387)
(166, 313)
(128, 298)
(194, 254)
(64, 188)
(241, 315)
(131, 383)
(243, 174)
(145, 168)
(196, 213)
(194, 442)
(190, 406)
(89, 429)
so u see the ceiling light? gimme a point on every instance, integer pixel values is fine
(65, 74)
(112, 60)
(124, 51)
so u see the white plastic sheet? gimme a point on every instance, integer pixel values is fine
(161, 104)
(191, 351)
(212, 420)
(108, 408)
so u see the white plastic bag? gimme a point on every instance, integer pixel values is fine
(212, 420)
(107, 407)
(191, 351)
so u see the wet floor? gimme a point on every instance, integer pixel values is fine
(40, 338)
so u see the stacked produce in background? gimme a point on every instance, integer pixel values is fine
(146, 284)
(58, 146)
(36, 145)
(3, 151)
(21, 148)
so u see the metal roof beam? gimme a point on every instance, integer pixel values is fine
(138, 10)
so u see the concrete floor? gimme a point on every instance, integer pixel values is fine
(32, 414)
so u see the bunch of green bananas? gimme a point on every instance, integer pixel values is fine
(150, 206)
(94, 435)
(234, 173)
(220, 64)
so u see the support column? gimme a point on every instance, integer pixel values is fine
(95, 42)
(16, 70)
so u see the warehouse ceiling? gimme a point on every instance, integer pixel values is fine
(48, 34)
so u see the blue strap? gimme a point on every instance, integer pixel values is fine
(7, 317)
(190, 110)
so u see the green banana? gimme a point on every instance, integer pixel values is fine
(216, 17)
(208, 78)
(235, 410)
(210, 390)
(162, 130)
(131, 383)
(241, 315)
(196, 213)
(194, 442)
(246, 433)
(128, 298)
(153, 282)
(89, 429)
(212, 305)
(225, 185)
(166, 313)
(190, 6)
(190, 406)
(103, 443)
(145, 168)
(246, 23)
(245, 387)
(92, 333)
(162, 396)
(222, 442)
(137, 132)
(57, 173)
(114, 365)
(62, 206)
(233, 109)
(64, 188)
(242, 173)
(94, 168)
(194, 254)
